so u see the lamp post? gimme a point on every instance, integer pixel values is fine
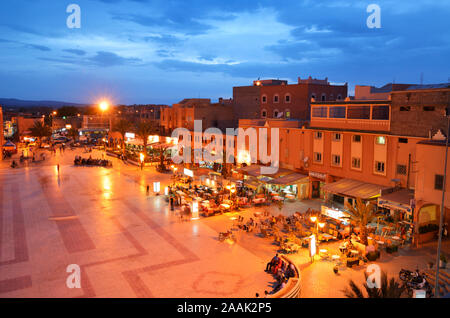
(441, 219)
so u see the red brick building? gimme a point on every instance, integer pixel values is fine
(282, 100)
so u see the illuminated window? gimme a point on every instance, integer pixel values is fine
(380, 140)
(287, 113)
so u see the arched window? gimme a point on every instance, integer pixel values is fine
(275, 113)
(313, 96)
(287, 98)
(264, 113)
(324, 97)
(264, 99)
(276, 98)
(339, 97)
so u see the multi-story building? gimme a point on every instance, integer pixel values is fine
(2, 140)
(278, 99)
(183, 114)
(23, 124)
(366, 149)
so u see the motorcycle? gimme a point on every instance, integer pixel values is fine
(415, 281)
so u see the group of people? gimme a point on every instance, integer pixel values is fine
(281, 270)
(79, 161)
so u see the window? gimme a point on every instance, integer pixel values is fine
(428, 108)
(264, 99)
(313, 96)
(339, 97)
(380, 140)
(401, 169)
(287, 113)
(264, 113)
(403, 140)
(275, 98)
(358, 112)
(336, 137)
(356, 163)
(324, 97)
(319, 112)
(317, 157)
(356, 138)
(318, 135)
(287, 98)
(380, 112)
(337, 112)
(438, 182)
(336, 160)
(405, 108)
(275, 113)
(379, 167)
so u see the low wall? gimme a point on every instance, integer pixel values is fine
(292, 288)
(427, 237)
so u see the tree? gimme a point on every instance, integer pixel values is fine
(68, 111)
(361, 214)
(143, 130)
(73, 133)
(122, 127)
(388, 288)
(40, 130)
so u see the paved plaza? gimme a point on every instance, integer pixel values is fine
(128, 244)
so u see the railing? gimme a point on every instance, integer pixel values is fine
(292, 288)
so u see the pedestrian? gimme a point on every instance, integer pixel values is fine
(57, 167)
(148, 189)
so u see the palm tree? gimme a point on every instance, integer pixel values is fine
(362, 214)
(391, 288)
(73, 132)
(40, 130)
(143, 130)
(122, 127)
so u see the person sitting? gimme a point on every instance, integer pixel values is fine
(290, 271)
(272, 263)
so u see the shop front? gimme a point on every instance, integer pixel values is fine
(397, 203)
(316, 183)
(294, 185)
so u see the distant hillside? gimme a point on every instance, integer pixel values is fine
(11, 102)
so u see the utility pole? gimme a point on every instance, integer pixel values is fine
(441, 221)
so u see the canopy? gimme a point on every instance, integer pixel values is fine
(9, 145)
(255, 171)
(289, 179)
(399, 200)
(354, 188)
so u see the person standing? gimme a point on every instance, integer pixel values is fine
(57, 168)
(148, 189)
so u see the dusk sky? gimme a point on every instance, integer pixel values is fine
(144, 51)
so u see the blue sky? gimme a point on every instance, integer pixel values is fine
(145, 51)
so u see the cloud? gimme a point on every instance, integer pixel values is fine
(106, 59)
(75, 51)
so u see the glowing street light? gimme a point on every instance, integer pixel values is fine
(313, 219)
(104, 105)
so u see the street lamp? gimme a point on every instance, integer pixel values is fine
(141, 158)
(441, 219)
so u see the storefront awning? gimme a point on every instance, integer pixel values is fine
(255, 171)
(354, 188)
(289, 179)
(397, 200)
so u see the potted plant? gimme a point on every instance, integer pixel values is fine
(443, 261)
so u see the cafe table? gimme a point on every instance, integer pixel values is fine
(259, 200)
(277, 198)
